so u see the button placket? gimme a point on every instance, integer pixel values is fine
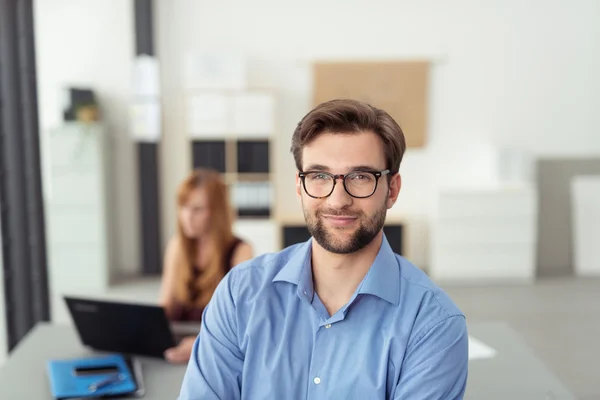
(316, 380)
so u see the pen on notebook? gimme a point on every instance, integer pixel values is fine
(106, 382)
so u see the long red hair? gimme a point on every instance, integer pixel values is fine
(220, 222)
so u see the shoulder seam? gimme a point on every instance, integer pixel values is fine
(427, 289)
(249, 265)
(429, 328)
(260, 262)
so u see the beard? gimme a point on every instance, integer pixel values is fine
(329, 238)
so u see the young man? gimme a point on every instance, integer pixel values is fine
(340, 316)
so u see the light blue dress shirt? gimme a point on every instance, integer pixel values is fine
(266, 335)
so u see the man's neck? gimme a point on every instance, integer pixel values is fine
(336, 276)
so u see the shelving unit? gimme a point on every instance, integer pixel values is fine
(232, 131)
(232, 128)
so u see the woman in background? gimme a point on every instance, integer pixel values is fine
(200, 254)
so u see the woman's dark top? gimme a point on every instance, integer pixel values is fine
(183, 312)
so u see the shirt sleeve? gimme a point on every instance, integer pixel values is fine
(215, 367)
(436, 366)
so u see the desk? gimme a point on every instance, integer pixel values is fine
(514, 373)
(24, 374)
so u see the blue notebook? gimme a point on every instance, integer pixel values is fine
(102, 376)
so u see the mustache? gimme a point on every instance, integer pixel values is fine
(339, 213)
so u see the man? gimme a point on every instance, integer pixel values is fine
(340, 316)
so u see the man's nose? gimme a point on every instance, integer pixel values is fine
(339, 198)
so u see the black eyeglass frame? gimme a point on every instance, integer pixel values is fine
(335, 177)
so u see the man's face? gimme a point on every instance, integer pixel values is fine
(341, 223)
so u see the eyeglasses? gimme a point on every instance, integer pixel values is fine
(358, 184)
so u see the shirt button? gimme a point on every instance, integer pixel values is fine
(327, 326)
(317, 380)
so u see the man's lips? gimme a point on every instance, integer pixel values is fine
(340, 220)
(339, 217)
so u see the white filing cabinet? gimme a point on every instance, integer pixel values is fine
(77, 213)
(485, 235)
(585, 203)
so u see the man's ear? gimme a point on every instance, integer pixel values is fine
(298, 186)
(394, 189)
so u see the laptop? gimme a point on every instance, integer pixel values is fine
(127, 328)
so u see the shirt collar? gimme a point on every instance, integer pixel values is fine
(382, 279)
(297, 270)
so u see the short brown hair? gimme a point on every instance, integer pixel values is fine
(348, 116)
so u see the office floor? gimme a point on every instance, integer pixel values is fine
(558, 318)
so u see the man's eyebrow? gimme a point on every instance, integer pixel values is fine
(317, 167)
(320, 167)
(363, 168)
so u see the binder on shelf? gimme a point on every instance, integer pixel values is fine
(101, 376)
(209, 154)
(233, 194)
(242, 195)
(253, 156)
(252, 198)
(265, 199)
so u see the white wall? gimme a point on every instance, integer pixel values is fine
(522, 74)
(516, 73)
(91, 43)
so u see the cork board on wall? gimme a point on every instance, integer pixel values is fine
(400, 88)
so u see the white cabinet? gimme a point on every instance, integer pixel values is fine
(77, 214)
(242, 114)
(261, 234)
(485, 235)
(585, 203)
